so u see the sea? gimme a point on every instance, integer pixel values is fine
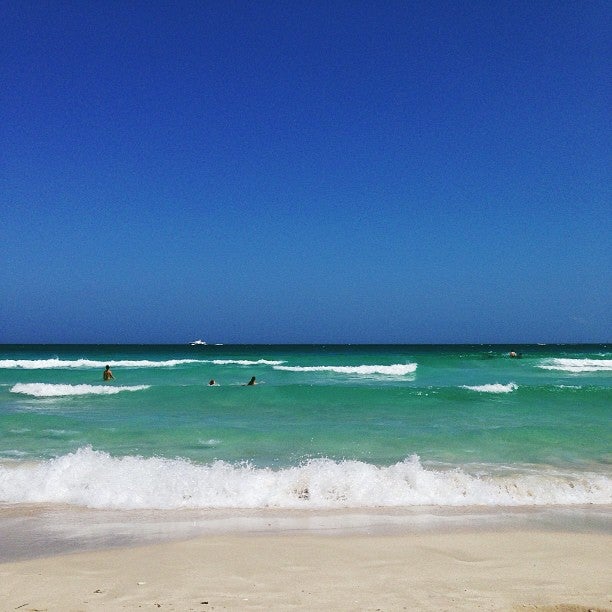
(325, 427)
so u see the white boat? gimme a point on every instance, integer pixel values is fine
(198, 343)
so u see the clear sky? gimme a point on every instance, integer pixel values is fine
(316, 171)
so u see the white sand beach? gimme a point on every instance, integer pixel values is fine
(466, 570)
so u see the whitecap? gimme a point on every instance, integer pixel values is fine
(47, 364)
(576, 366)
(57, 390)
(398, 369)
(209, 443)
(244, 362)
(494, 388)
(60, 433)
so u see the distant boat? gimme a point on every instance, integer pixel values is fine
(198, 343)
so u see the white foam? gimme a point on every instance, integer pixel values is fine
(398, 369)
(577, 365)
(209, 443)
(56, 390)
(50, 364)
(494, 388)
(14, 453)
(95, 479)
(244, 362)
(58, 433)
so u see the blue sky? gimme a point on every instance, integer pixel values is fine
(305, 172)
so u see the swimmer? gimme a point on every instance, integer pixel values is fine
(251, 382)
(211, 382)
(107, 374)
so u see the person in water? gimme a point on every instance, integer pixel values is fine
(211, 382)
(107, 374)
(251, 382)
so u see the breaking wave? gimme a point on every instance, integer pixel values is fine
(577, 365)
(243, 362)
(97, 480)
(49, 364)
(398, 369)
(494, 388)
(54, 390)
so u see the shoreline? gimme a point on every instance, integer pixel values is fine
(30, 531)
(471, 569)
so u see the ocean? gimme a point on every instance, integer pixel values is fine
(325, 427)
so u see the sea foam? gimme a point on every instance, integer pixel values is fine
(577, 365)
(55, 390)
(398, 369)
(97, 480)
(50, 364)
(244, 362)
(494, 388)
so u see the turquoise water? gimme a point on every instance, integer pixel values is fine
(325, 426)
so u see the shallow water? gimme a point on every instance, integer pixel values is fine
(327, 427)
